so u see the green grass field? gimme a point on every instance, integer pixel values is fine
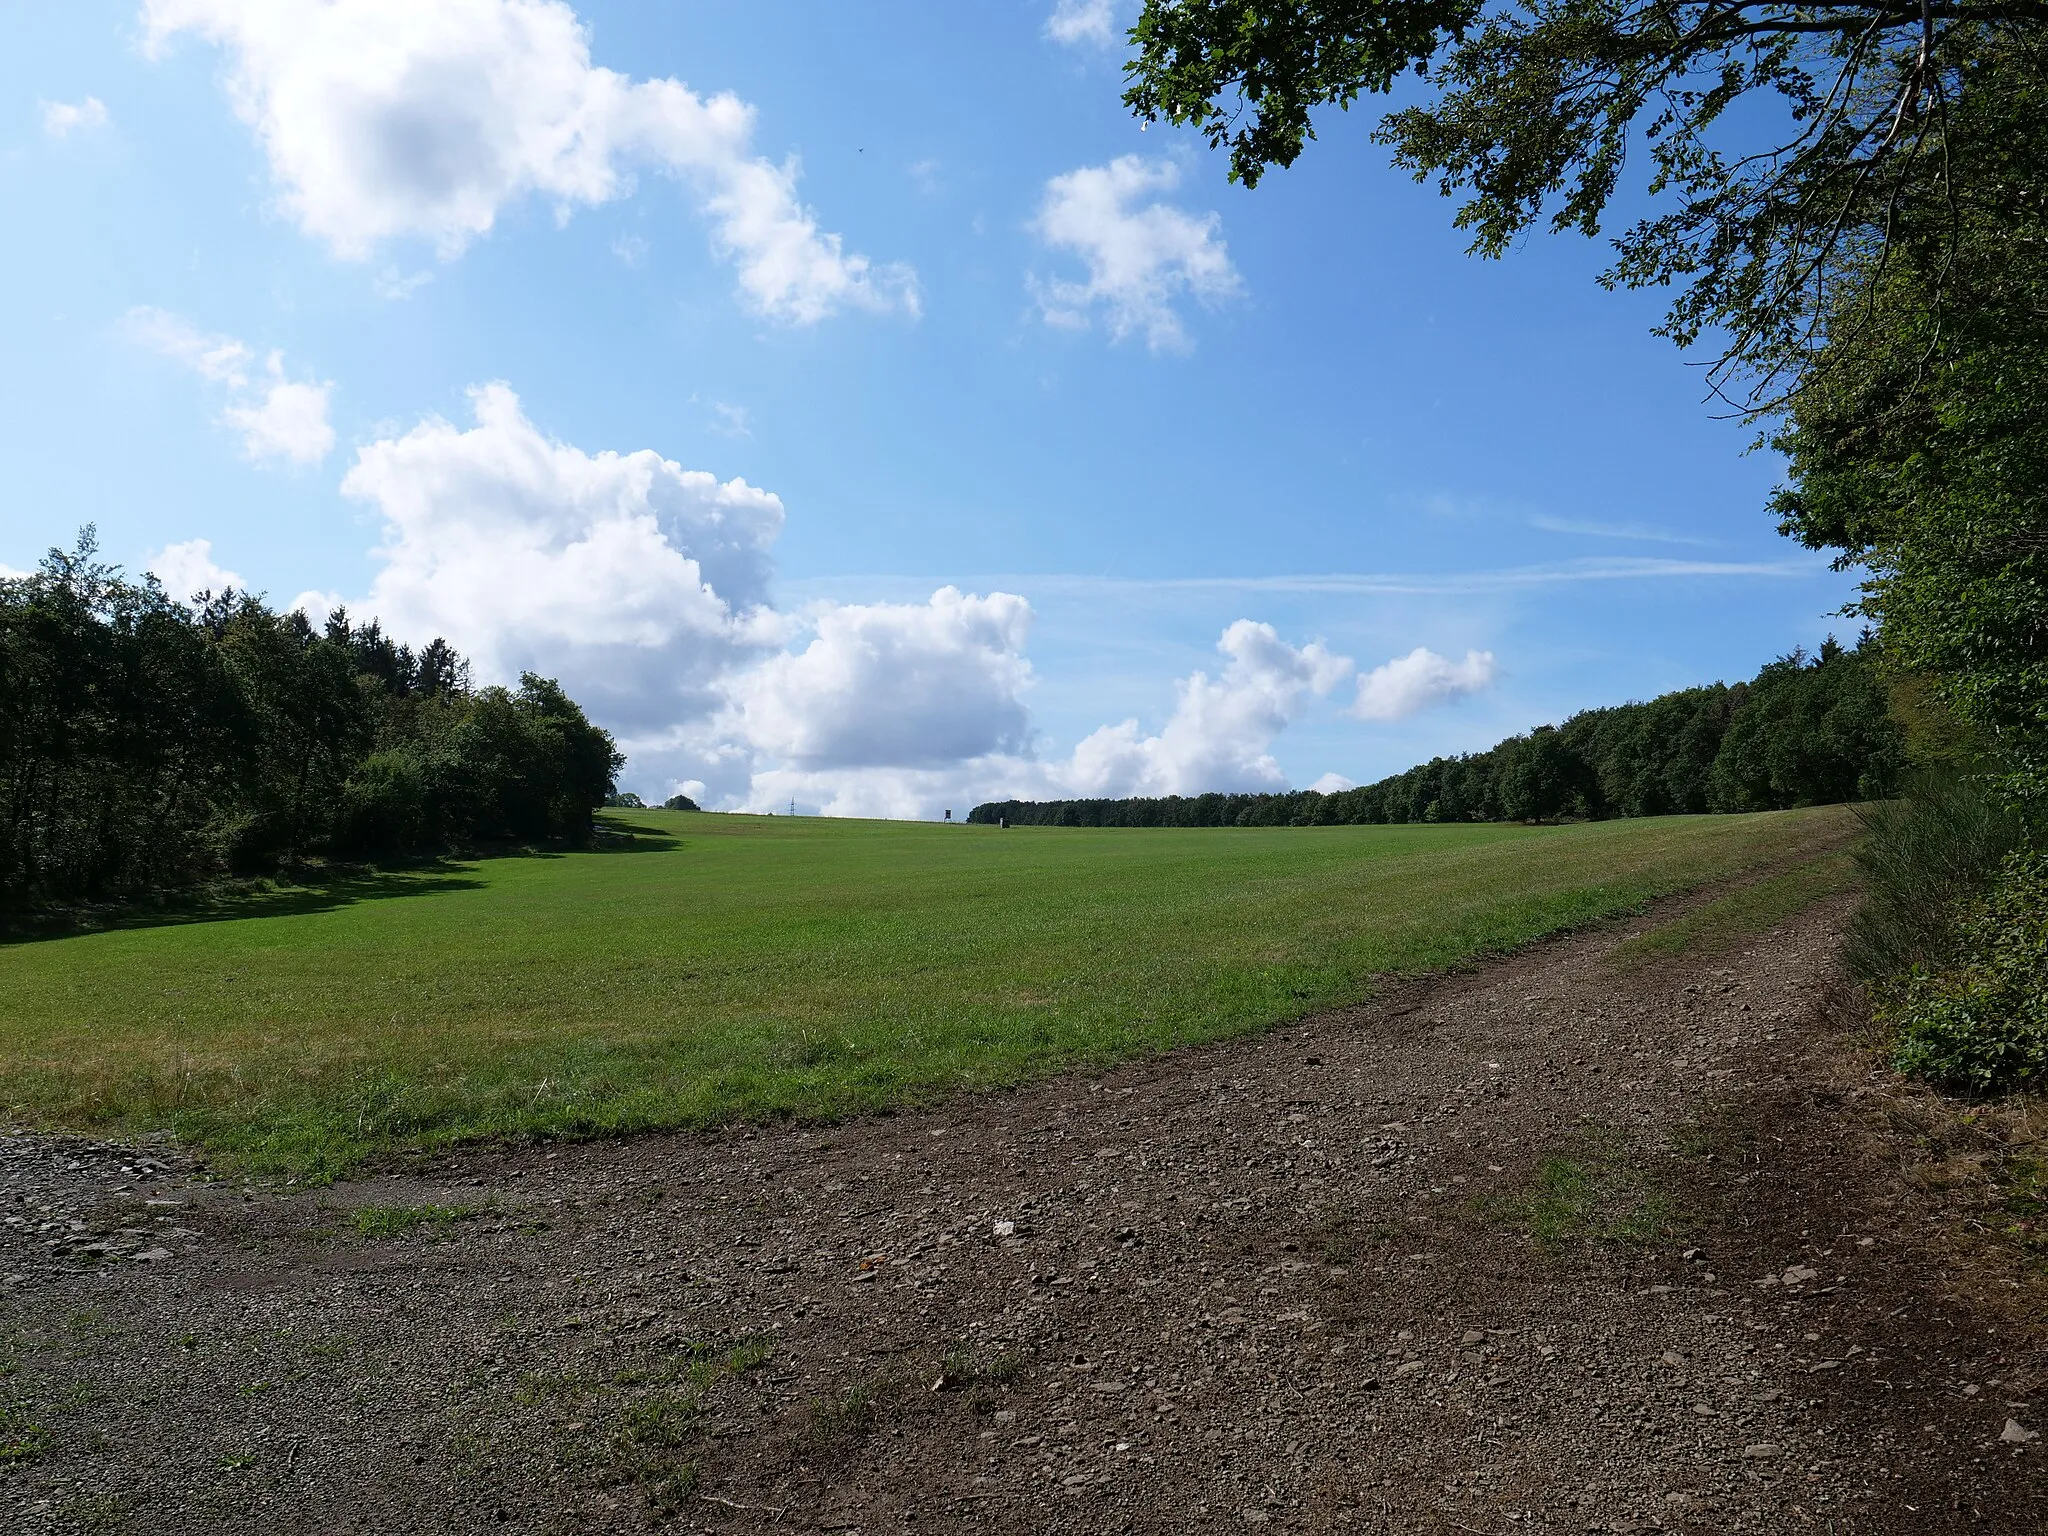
(729, 966)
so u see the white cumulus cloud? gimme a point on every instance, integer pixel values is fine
(1421, 680)
(1142, 255)
(61, 119)
(391, 118)
(635, 581)
(896, 685)
(976, 747)
(645, 588)
(289, 421)
(277, 417)
(187, 569)
(1222, 729)
(1083, 21)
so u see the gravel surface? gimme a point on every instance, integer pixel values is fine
(1546, 1245)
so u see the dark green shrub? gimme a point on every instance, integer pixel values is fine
(383, 806)
(252, 841)
(1981, 1025)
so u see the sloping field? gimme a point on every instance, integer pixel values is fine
(723, 966)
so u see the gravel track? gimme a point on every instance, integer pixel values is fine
(1288, 1282)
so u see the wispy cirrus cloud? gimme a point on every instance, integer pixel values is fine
(1418, 583)
(61, 119)
(1637, 532)
(277, 417)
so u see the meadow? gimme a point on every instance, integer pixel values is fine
(715, 967)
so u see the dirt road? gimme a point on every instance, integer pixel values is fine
(1551, 1245)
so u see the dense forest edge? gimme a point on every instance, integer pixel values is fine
(1804, 731)
(150, 747)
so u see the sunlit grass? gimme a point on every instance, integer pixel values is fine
(398, 1220)
(1743, 913)
(753, 966)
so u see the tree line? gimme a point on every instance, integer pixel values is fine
(148, 745)
(626, 800)
(1804, 731)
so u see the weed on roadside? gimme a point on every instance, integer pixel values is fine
(1005, 1368)
(92, 1512)
(381, 1221)
(961, 1366)
(1590, 1192)
(22, 1439)
(665, 1484)
(638, 1424)
(653, 1431)
(1986, 1163)
(645, 1444)
(2025, 1201)
(1340, 1237)
(537, 1387)
(957, 1368)
(848, 1414)
(661, 1422)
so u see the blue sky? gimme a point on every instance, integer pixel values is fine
(917, 280)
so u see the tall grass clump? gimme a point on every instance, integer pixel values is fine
(1953, 934)
(1925, 858)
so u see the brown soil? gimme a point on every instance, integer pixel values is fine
(1548, 1245)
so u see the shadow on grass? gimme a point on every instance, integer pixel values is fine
(326, 893)
(231, 905)
(625, 837)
